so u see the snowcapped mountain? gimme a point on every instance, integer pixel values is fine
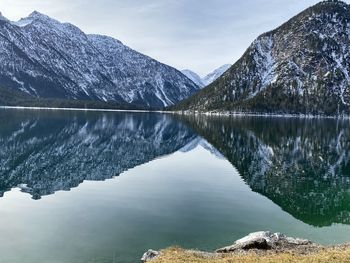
(208, 79)
(48, 59)
(2, 17)
(217, 73)
(301, 67)
(194, 77)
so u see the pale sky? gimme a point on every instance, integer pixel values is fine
(200, 35)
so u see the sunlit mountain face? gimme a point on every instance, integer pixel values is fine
(301, 165)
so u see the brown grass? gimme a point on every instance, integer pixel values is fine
(326, 255)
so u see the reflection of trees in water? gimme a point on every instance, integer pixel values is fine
(46, 152)
(301, 165)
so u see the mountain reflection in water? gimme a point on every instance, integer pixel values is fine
(301, 165)
(42, 152)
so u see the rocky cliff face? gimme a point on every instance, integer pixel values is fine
(301, 67)
(48, 59)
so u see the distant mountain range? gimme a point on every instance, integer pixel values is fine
(43, 58)
(208, 79)
(301, 67)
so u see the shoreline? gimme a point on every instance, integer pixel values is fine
(263, 246)
(186, 113)
(265, 115)
(78, 109)
(335, 254)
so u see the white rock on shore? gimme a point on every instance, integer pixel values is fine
(149, 255)
(265, 240)
(262, 241)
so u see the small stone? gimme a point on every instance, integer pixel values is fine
(149, 255)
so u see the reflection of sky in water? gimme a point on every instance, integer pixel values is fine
(193, 197)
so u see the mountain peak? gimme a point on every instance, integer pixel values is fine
(339, 2)
(2, 18)
(208, 79)
(329, 5)
(34, 16)
(37, 15)
(214, 75)
(194, 77)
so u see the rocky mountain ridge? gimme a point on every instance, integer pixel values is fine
(45, 58)
(301, 67)
(208, 79)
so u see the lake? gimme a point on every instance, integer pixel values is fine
(97, 187)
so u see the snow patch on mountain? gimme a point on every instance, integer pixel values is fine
(265, 63)
(214, 75)
(208, 79)
(194, 77)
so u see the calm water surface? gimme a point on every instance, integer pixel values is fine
(82, 187)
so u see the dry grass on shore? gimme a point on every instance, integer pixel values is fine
(339, 254)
